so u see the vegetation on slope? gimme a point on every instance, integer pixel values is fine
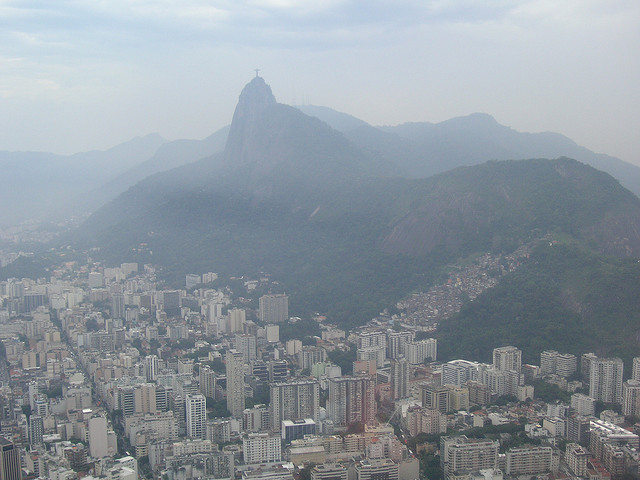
(566, 298)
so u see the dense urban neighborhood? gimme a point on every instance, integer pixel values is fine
(107, 373)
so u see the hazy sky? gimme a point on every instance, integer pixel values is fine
(88, 74)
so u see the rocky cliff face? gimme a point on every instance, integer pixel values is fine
(254, 98)
(274, 148)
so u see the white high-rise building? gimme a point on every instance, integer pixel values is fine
(460, 454)
(631, 397)
(246, 344)
(583, 404)
(375, 353)
(151, 368)
(196, 409)
(375, 338)
(261, 448)
(529, 460)
(396, 342)
(237, 319)
(235, 382)
(418, 352)
(274, 308)
(98, 436)
(459, 372)
(563, 364)
(605, 382)
(207, 382)
(191, 280)
(507, 358)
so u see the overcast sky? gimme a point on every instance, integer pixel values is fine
(77, 75)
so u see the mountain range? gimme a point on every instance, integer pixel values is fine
(83, 182)
(347, 225)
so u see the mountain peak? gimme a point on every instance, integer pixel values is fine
(255, 96)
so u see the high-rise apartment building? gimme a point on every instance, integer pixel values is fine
(98, 436)
(310, 355)
(196, 410)
(329, 471)
(207, 383)
(235, 382)
(375, 353)
(576, 458)
(261, 448)
(36, 430)
(151, 368)
(274, 308)
(295, 400)
(529, 460)
(459, 372)
(605, 382)
(417, 352)
(635, 371)
(507, 358)
(396, 342)
(436, 397)
(352, 399)
(583, 404)
(10, 466)
(246, 344)
(399, 378)
(145, 398)
(631, 397)
(278, 370)
(585, 365)
(460, 455)
(256, 419)
(237, 319)
(117, 305)
(373, 338)
(376, 469)
(563, 364)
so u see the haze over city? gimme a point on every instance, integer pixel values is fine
(88, 75)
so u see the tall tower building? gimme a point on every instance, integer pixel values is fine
(207, 381)
(294, 401)
(117, 305)
(151, 368)
(237, 319)
(635, 372)
(98, 437)
(631, 397)
(352, 399)
(507, 358)
(399, 378)
(196, 410)
(36, 430)
(145, 398)
(235, 382)
(396, 342)
(10, 466)
(605, 380)
(274, 308)
(246, 344)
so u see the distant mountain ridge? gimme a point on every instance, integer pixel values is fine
(293, 197)
(41, 185)
(83, 182)
(422, 149)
